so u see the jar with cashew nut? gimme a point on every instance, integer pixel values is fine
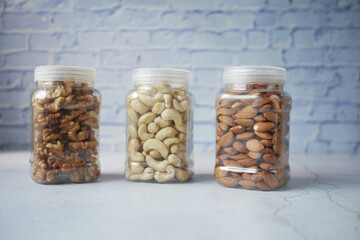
(159, 126)
(252, 131)
(65, 125)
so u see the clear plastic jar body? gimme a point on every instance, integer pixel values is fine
(159, 133)
(253, 136)
(65, 132)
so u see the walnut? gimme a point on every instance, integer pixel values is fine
(56, 148)
(65, 115)
(69, 127)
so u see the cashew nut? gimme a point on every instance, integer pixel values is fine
(153, 127)
(159, 165)
(172, 115)
(181, 174)
(158, 107)
(155, 154)
(163, 88)
(181, 128)
(133, 131)
(142, 131)
(167, 99)
(156, 145)
(161, 122)
(182, 137)
(132, 115)
(147, 118)
(169, 141)
(148, 174)
(138, 106)
(136, 167)
(133, 148)
(165, 132)
(149, 100)
(174, 160)
(165, 176)
(180, 107)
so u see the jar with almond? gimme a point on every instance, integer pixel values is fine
(65, 125)
(252, 128)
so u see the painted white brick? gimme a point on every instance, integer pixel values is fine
(257, 39)
(88, 59)
(26, 21)
(26, 59)
(211, 58)
(260, 57)
(119, 58)
(343, 132)
(12, 42)
(52, 41)
(281, 38)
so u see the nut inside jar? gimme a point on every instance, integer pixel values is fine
(65, 132)
(252, 137)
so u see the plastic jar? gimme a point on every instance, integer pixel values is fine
(253, 128)
(159, 126)
(65, 125)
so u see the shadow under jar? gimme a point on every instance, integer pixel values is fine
(65, 125)
(252, 128)
(159, 126)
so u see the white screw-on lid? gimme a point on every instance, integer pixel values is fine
(65, 73)
(161, 75)
(254, 74)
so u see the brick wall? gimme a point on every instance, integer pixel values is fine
(317, 41)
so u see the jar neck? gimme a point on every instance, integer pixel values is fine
(254, 86)
(74, 84)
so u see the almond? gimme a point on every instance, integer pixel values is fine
(257, 177)
(267, 143)
(236, 176)
(271, 180)
(219, 132)
(265, 108)
(273, 117)
(230, 150)
(247, 162)
(237, 129)
(225, 111)
(248, 184)
(226, 139)
(254, 145)
(275, 103)
(263, 186)
(255, 155)
(246, 112)
(227, 120)
(260, 118)
(227, 181)
(223, 156)
(237, 105)
(239, 146)
(223, 126)
(269, 158)
(218, 151)
(266, 166)
(244, 122)
(263, 126)
(239, 156)
(226, 103)
(245, 136)
(277, 148)
(220, 172)
(263, 135)
(267, 151)
(246, 176)
(231, 163)
(259, 102)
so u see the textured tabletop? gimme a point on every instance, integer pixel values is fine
(322, 201)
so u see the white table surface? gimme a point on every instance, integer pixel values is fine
(322, 201)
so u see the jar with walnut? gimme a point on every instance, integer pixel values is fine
(65, 125)
(252, 128)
